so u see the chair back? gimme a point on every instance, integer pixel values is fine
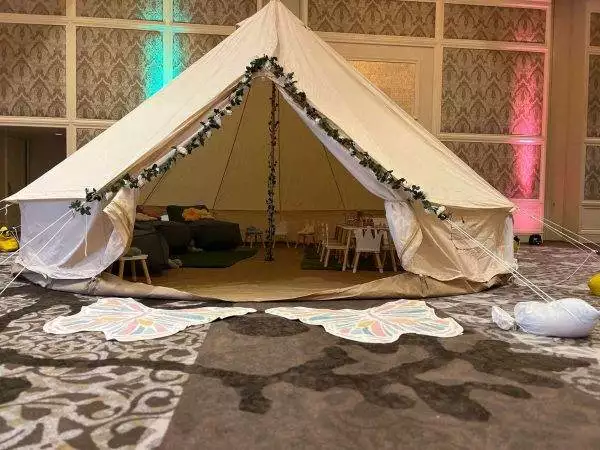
(281, 227)
(321, 231)
(325, 233)
(368, 239)
(366, 220)
(380, 222)
(351, 218)
(387, 238)
(309, 228)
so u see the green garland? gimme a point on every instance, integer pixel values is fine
(272, 179)
(270, 65)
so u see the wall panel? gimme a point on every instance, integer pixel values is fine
(190, 47)
(595, 29)
(592, 173)
(116, 70)
(85, 135)
(513, 169)
(213, 12)
(492, 92)
(121, 9)
(398, 80)
(49, 7)
(384, 17)
(492, 23)
(32, 70)
(593, 104)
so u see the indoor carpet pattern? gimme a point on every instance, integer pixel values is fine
(264, 382)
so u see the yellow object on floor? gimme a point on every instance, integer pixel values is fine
(8, 243)
(594, 284)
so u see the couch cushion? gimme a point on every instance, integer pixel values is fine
(153, 211)
(175, 212)
(215, 234)
(177, 235)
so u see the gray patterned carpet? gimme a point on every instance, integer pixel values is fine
(263, 382)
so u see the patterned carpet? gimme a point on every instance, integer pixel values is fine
(264, 382)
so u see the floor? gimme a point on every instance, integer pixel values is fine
(249, 279)
(263, 382)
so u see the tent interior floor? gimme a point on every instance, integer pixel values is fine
(254, 278)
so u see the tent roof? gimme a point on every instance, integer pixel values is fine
(333, 86)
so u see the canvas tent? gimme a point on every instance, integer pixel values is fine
(318, 174)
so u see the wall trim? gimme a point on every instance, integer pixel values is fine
(411, 41)
(126, 24)
(526, 4)
(352, 38)
(492, 138)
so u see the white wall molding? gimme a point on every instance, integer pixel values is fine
(492, 138)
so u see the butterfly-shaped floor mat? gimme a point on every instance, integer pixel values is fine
(126, 320)
(381, 324)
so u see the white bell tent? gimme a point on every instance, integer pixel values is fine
(343, 145)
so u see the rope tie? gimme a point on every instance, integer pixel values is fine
(85, 236)
(35, 237)
(36, 254)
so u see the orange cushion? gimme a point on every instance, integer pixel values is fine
(193, 214)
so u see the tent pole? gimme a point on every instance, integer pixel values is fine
(333, 176)
(272, 180)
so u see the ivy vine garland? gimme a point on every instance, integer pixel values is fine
(271, 65)
(272, 179)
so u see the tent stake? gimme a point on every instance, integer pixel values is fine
(272, 181)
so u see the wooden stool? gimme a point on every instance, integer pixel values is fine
(133, 259)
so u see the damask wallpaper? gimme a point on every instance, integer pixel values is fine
(384, 17)
(593, 106)
(213, 12)
(121, 9)
(396, 79)
(595, 29)
(52, 7)
(592, 173)
(491, 23)
(492, 92)
(512, 169)
(32, 70)
(190, 47)
(85, 135)
(116, 70)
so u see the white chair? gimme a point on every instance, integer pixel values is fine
(351, 218)
(281, 232)
(320, 237)
(332, 244)
(380, 222)
(253, 236)
(368, 241)
(305, 234)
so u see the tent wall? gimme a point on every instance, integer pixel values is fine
(230, 172)
(62, 244)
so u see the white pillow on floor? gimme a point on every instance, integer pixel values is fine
(567, 318)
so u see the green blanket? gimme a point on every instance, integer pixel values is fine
(217, 259)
